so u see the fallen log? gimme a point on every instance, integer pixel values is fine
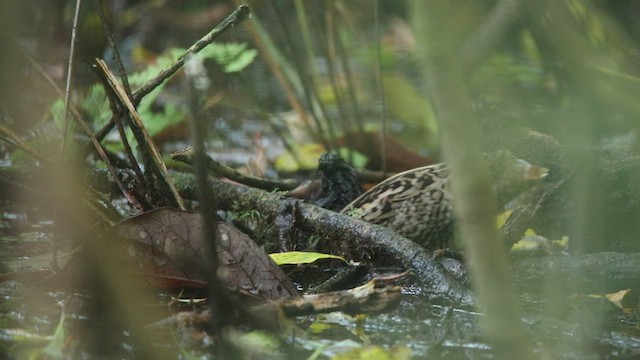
(437, 282)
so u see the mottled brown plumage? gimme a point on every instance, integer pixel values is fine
(418, 204)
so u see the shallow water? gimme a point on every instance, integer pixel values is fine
(29, 318)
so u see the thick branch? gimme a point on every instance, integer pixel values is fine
(432, 275)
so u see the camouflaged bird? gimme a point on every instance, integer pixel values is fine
(338, 183)
(418, 204)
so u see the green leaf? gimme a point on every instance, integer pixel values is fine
(57, 112)
(410, 107)
(307, 154)
(301, 257)
(58, 346)
(376, 352)
(357, 159)
(243, 60)
(233, 57)
(255, 344)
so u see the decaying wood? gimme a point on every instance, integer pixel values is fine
(367, 298)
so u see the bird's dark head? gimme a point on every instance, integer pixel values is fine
(339, 183)
(331, 162)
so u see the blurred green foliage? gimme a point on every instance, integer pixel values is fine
(158, 110)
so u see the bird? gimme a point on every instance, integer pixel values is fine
(338, 183)
(418, 203)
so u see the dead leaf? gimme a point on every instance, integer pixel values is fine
(398, 156)
(167, 244)
(617, 297)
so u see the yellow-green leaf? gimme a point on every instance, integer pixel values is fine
(301, 257)
(307, 154)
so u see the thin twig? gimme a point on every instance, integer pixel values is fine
(67, 90)
(279, 67)
(114, 47)
(306, 82)
(11, 137)
(116, 117)
(83, 125)
(329, 48)
(311, 82)
(147, 145)
(187, 156)
(383, 100)
(343, 55)
(67, 95)
(235, 18)
(262, 113)
(206, 197)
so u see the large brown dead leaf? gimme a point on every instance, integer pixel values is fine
(167, 245)
(398, 156)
